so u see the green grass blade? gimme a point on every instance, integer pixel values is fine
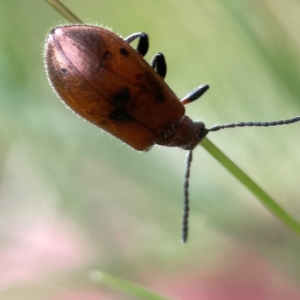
(64, 11)
(125, 286)
(264, 198)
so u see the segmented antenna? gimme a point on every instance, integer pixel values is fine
(186, 207)
(259, 124)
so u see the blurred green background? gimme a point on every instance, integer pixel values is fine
(74, 199)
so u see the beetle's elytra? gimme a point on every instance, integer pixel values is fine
(103, 79)
(107, 82)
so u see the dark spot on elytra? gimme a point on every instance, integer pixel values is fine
(107, 55)
(119, 115)
(124, 52)
(121, 98)
(139, 76)
(64, 71)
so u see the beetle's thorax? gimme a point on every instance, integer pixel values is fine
(185, 134)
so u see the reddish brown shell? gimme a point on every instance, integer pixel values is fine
(104, 80)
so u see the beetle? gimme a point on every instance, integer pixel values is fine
(107, 82)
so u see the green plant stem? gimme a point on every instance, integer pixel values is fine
(125, 286)
(64, 11)
(264, 198)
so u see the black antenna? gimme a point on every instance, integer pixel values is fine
(186, 207)
(259, 124)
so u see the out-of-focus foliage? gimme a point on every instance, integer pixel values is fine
(74, 199)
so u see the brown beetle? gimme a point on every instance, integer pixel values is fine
(107, 82)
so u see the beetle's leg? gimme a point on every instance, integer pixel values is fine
(194, 94)
(143, 44)
(159, 64)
